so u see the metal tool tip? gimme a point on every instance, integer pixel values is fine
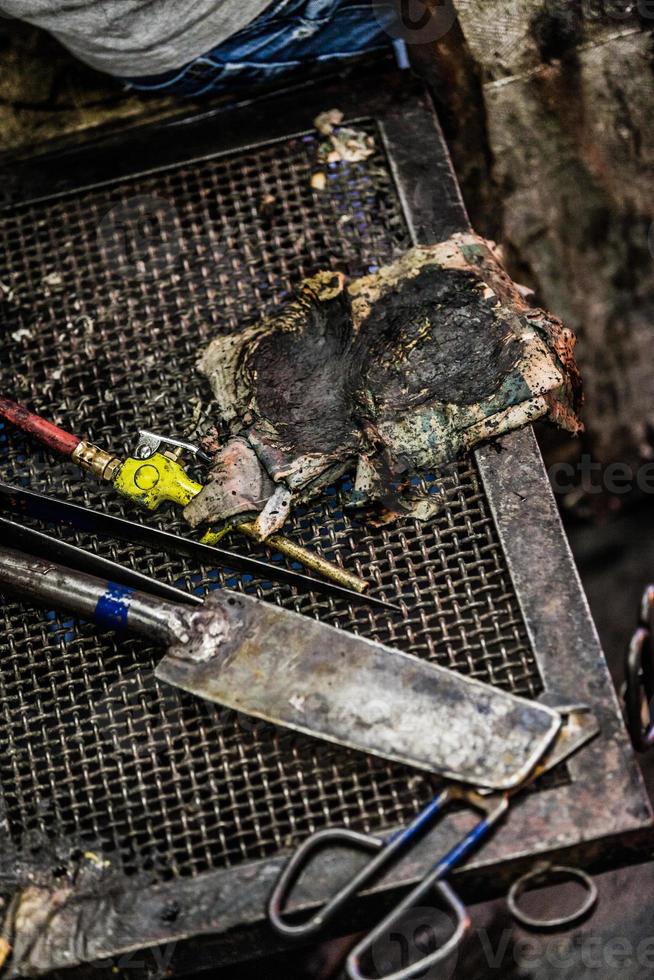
(382, 603)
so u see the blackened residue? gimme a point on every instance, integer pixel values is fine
(435, 337)
(432, 337)
(303, 384)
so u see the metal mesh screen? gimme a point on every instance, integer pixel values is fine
(107, 295)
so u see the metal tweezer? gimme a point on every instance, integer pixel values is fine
(28, 502)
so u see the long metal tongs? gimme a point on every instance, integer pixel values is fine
(155, 476)
(20, 501)
(579, 727)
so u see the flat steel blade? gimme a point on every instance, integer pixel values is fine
(267, 662)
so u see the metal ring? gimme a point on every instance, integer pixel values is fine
(639, 689)
(544, 875)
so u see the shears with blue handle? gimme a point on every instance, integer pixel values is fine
(578, 728)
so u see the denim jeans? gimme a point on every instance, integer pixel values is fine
(288, 35)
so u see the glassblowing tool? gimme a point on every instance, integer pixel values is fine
(45, 546)
(154, 476)
(19, 501)
(257, 658)
(578, 728)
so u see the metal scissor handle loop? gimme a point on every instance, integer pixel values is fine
(419, 968)
(639, 681)
(295, 867)
(647, 609)
(386, 851)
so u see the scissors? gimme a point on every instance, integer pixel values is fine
(579, 727)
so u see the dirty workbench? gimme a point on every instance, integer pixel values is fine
(615, 559)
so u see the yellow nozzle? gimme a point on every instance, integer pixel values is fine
(154, 481)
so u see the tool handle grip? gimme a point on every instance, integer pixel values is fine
(46, 432)
(110, 605)
(385, 852)
(321, 839)
(432, 963)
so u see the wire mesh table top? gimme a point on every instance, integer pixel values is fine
(107, 295)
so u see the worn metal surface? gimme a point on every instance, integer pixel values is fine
(194, 812)
(578, 728)
(303, 675)
(43, 582)
(293, 671)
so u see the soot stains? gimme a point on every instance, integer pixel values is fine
(558, 28)
(435, 337)
(303, 385)
(432, 337)
(398, 371)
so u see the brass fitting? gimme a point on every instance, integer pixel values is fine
(96, 461)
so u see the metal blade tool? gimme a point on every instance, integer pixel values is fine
(257, 658)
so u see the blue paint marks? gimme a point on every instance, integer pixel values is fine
(421, 821)
(112, 608)
(458, 853)
(63, 629)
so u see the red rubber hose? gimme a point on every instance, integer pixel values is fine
(46, 432)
